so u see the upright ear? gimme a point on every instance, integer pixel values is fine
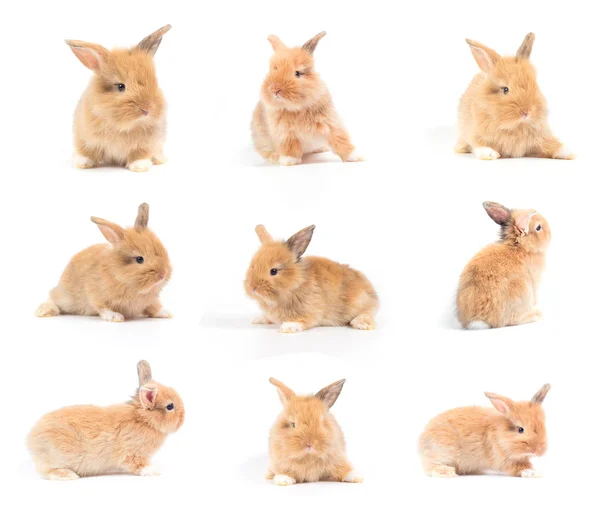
(113, 233)
(141, 222)
(522, 221)
(298, 243)
(263, 235)
(144, 372)
(525, 49)
(539, 397)
(485, 57)
(311, 44)
(285, 394)
(276, 43)
(330, 393)
(90, 55)
(148, 394)
(151, 43)
(504, 405)
(500, 214)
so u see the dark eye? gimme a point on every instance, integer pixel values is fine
(139, 260)
(274, 272)
(538, 228)
(121, 87)
(297, 74)
(521, 430)
(170, 407)
(505, 90)
(293, 425)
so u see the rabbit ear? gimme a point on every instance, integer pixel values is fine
(141, 222)
(285, 394)
(263, 235)
(522, 222)
(485, 57)
(300, 241)
(311, 44)
(330, 393)
(525, 49)
(90, 55)
(151, 43)
(500, 214)
(144, 372)
(504, 405)
(148, 396)
(113, 233)
(539, 397)
(276, 43)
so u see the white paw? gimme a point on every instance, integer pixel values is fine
(62, 475)
(110, 316)
(564, 153)
(289, 160)
(83, 162)
(476, 325)
(354, 156)
(353, 477)
(283, 480)
(47, 309)
(261, 319)
(485, 153)
(363, 322)
(530, 473)
(140, 165)
(149, 471)
(163, 314)
(159, 159)
(291, 327)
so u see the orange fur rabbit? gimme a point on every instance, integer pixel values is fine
(117, 281)
(295, 115)
(121, 116)
(503, 112)
(476, 440)
(304, 292)
(499, 285)
(306, 444)
(87, 440)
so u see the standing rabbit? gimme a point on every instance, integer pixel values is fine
(295, 115)
(121, 116)
(503, 112)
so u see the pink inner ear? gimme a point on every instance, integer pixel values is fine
(150, 396)
(88, 57)
(522, 222)
(500, 406)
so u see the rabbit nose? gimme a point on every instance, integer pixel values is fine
(309, 447)
(525, 113)
(145, 112)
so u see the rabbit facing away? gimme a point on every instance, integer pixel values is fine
(87, 440)
(121, 116)
(306, 444)
(477, 440)
(503, 113)
(295, 115)
(118, 281)
(305, 292)
(499, 285)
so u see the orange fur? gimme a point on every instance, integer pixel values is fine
(295, 115)
(308, 291)
(514, 124)
(499, 285)
(107, 280)
(88, 440)
(474, 440)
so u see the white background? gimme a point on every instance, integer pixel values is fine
(410, 217)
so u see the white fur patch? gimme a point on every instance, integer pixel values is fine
(47, 309)
(149, 471)
(564, 153)
(163, 314)
(289, 160)
(354, 156)
(83, 162)
(64, 475)
(530, 473)
(140, 165)
(353, 477)
(291, 327)
(485, 153)
(283, 480)
(110, 316)
(476, 325)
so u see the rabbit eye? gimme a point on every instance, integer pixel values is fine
(293, 425)
(170, 407)
(538, 228)
(521, 430)
(139, 260)
(121, 87)
(505, 90)
(297, 74)
(274, 272)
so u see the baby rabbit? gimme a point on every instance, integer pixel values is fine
(295, 115)
(120, 118)
(306, 444)
(473, 440)
(499, 285)
(503, 113)
(87, 440)
(302, 293)
(115, 282)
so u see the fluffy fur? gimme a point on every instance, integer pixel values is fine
(116, 125)
(108, 280)
(474, 440)
(307, 292)
(87, 440)
(306, 444)
(295, 115)
(499, 285)
(503, 112)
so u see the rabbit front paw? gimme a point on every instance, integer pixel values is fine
(485, 153)
(289, 160)
(283, 480)
(110, 316)
(530, 473)
(353, 477)
(83, 162)
(140, 165)
(353, 157)
(149, 471)
(564, 153)
(291, 327)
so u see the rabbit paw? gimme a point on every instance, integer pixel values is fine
(140, 165)
(353, 477)
(564, 153)
(261, 319)
(83, 162)
(289, 160)
(530, 473)
(353, 156)
(163, 313)
(363, 322)
(283, 480)
(159, 159)
(291, 327)
(149, 471)
(47, 309)
(110, 316)
(61, 474)
(443, 472)
(485, 153)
